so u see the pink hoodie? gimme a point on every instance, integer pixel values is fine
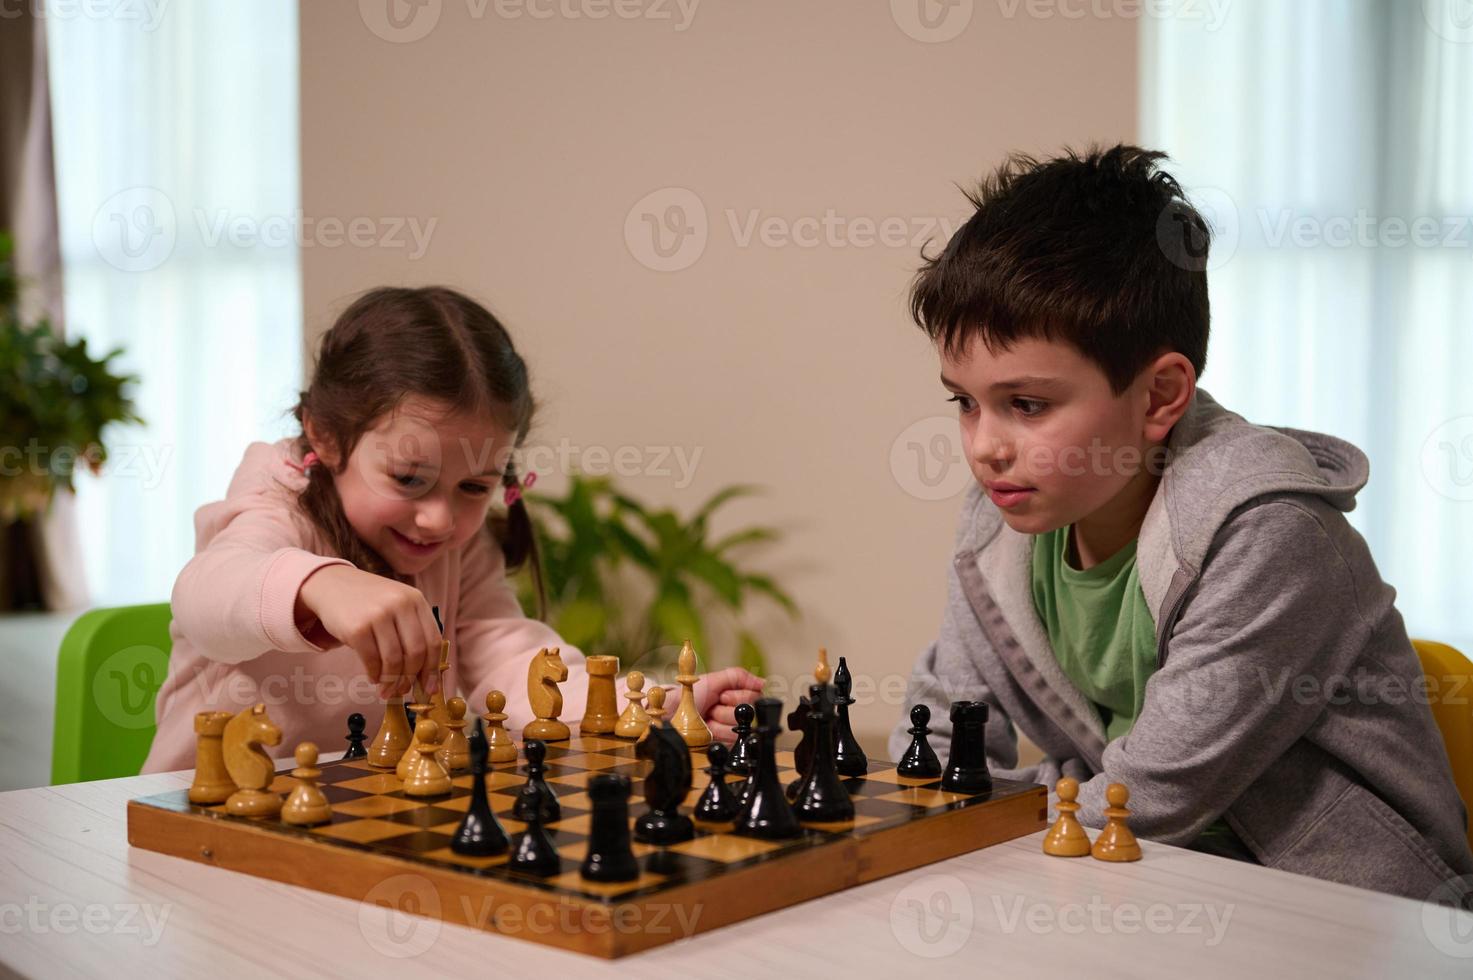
(236, 641)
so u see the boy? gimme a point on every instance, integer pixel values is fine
(1152, 589)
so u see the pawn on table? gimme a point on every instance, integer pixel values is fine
(356, 737)
(635, 719)
(427, 777)
(738, 762)
(718, 804)
(454, 754)
(655, 711)
(1116, 842)
(499, 742)
(1067, 837)
(919, 760)
(306, 805)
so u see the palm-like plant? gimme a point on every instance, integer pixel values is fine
(590, 535)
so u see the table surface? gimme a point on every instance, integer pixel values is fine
(76, 900)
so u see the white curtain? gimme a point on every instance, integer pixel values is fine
(1331, 142)
(177, 179)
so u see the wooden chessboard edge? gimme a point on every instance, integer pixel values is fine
(953, 833)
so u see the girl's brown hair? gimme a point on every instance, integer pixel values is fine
(392, 343)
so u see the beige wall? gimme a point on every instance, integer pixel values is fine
(529, 141)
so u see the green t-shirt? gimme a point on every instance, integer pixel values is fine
(1105, 640)
(1099, 626)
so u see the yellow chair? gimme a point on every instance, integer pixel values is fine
(1451, 674)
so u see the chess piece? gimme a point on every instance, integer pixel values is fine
(410, 759)
(919, 760)
(479, 834)
(499, 740)
(655, 712)
(635, 719)
(966, 767)
(534, 853)
(212, 784)
(737, 762)
(665, 788)
(544, 674)
(849, 757)
(799, 720)
(427, 777)
(687, 719)
(610, 855)
(1116, 842)
(306, 805)
(765, 810)
(1067, 839)
(250, 768)
(454, 754)
(536, 799)
(393, 737)
(603, 700)
(718, 804)
(356, 738)
(821, 797)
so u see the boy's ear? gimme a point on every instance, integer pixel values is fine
(1170, 383)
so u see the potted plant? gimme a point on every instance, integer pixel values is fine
(626, 579)
(54, 403)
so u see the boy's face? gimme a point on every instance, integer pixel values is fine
(1042, 417)
(420, 481)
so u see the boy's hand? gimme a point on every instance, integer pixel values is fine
(387, 623)
(717, 695)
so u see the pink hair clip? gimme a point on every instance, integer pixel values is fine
(514, 493)
(308, 461)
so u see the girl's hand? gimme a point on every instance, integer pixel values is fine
(717, 695)
(387, 623)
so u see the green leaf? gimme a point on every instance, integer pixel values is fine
(769, 588)
(678, 621)
(722, 578)
(750, 654)
(581, 622)
(752, 535)
(704, 512)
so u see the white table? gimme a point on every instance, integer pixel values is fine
(76, 900)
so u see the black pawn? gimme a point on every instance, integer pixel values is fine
(479, 833)
(822, 798)
(765, 811)
(849, 758)
(536, 799)
(535, 853)
(743, 789)
(356, 724)
(737, 764)
(665, 788)
(920, 759)
(718, 803)
(966, 767)
(610, 856)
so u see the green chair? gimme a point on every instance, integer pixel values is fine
(111, 666)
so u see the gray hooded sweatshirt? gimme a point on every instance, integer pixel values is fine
(1287, 697)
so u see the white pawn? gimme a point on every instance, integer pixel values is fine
(306, 805)
(635, 719)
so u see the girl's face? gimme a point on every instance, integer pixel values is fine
(420, 480)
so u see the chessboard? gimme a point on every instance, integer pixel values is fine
(384, 847)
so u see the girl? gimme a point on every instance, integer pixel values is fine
(312, 585)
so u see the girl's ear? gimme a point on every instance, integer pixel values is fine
(321, 444)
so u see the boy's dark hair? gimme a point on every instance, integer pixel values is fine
(395, 342)
(1102, 251)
